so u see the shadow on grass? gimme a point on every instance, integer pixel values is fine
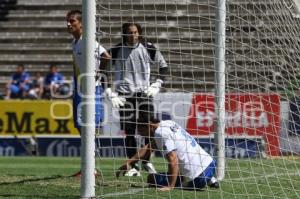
(121, 184)
(40, 195)
(34, 180)
(37, 196)
(180, 188)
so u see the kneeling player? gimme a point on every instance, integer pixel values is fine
(189, 166)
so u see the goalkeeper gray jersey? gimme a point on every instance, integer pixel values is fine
(133, 66)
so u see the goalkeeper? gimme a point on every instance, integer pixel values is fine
(189, 166)
(133, 60)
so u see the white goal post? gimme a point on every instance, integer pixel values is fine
(220, 76)
(88, 104)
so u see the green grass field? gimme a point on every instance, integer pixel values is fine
(38, 177)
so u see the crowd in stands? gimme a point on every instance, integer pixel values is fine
(24, 85)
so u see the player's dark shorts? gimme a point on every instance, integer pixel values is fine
(199, 182)
(99, 110)
(128, 112)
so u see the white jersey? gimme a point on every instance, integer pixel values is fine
(78, 57)
(192, 159)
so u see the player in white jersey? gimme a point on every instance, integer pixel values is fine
(102, 58)
(189, 165)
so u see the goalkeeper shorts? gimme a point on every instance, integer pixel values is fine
(161, 179)
(99, 110)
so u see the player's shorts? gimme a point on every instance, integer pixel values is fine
(161, 179)
(99, 110)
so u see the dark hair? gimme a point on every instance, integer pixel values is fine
(52, 66)
(125, 27)
(21, 66)
(76, 13)
(146, 115)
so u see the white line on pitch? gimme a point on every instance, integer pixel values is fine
(264, 176)
(130, 191)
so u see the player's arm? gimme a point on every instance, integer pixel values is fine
(142, 154)
(163, 66)
(102, 71)
(105, 58)
(173, 170)
(159, 60)
(25, 81)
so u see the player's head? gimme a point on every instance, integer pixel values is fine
(74, 25)
(132, 33)
(147, 123)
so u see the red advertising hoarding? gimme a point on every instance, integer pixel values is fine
(246, 114)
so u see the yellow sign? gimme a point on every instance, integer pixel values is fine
(41, 117)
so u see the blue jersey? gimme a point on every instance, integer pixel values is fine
(19, 78)
(56, 78)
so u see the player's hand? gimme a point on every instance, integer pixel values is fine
(125, 167)
(116, 101)
(153, 89)
(166, 188)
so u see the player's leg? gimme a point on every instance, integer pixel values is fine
(212, 169)
(99, 115)
(25, 89)
(127, 122)
(76, 120)
(14, 91)
(99, 109)
(161, 179)
(206, 178)
(76, 112)
(145, 104)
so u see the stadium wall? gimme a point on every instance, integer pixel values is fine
(251, 121)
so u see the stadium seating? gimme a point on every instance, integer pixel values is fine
(33, 33)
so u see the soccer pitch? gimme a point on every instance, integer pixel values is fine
(44, 177)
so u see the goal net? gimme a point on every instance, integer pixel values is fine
(262, 98)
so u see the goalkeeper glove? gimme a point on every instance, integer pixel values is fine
(116, 101)
(154, 88)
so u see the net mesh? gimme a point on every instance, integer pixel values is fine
(262, 90)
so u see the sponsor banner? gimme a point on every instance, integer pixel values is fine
(40, 117)
(112, 147)
(246, 115)
(55, 117)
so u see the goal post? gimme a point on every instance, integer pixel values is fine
(87, 91)
(220, 38)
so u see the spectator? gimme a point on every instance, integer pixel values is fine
(133, 60)
(19, 84)
(54, 83)
(36, 87)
